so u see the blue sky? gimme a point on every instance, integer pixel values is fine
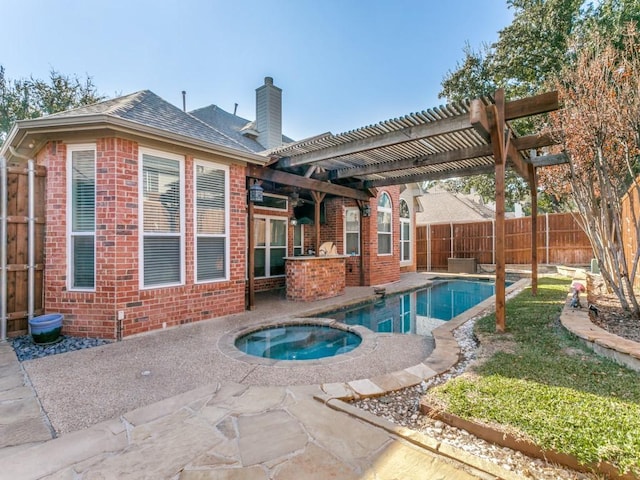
(342, 64)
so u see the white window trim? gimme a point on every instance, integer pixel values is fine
(301, 246)
(141, 236)
(227, 224)
(267, 246)
(274, 209)
(70, 149)
(359, 232)
(409, 240)
(390, 233)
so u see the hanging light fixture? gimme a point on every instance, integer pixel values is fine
(366, 211)
(256, 192)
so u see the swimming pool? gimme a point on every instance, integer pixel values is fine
(418, 311)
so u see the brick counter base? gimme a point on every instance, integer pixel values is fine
(315, 278)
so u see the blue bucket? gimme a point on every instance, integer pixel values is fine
(46, 328)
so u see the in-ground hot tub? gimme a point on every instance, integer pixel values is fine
(298, 342)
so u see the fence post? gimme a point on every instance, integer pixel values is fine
(451, 237)
(546, 236)
(428, 247)
(493, 241)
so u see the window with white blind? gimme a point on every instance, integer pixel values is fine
(384, 225)
(270, 246)
(405, 232)
(212, 222)
(352, 231)
(162, 214)
(81, 212)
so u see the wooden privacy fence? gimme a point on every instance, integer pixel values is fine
(560, 241)
(22, 265)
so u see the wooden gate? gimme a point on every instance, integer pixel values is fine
(17, 248)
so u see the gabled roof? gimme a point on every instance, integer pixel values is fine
(232, 125)
(443, 206)
(228, 123)
(147, 108)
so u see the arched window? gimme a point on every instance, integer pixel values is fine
(405, 232)
(384, 225)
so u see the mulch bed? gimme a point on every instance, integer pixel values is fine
(610, 315)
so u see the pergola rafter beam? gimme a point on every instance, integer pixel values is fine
(451, 156)
(440, 127)
(548, 160)
(285, 178)
(421, 177)
(434, 159)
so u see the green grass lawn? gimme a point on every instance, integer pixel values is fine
(544, 384)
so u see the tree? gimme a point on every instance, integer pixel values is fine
(600, 122)
(473, 77)
(31, 98)
(529, 52)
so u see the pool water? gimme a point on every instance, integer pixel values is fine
(298, 342)
(418, 311)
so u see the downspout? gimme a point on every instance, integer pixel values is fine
(31, 243)
(3, 250)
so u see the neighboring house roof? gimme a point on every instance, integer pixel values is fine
(147, 108)
(443, 206)
(240, 129)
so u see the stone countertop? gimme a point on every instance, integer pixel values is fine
(315, 257)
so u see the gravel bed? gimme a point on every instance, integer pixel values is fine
(27, 349)
(402, 407)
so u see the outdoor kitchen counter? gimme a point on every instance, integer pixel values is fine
(314, 278)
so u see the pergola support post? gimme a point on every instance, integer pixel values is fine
(497, 131)
(534, 229)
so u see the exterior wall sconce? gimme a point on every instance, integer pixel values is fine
(366, 211)
(294, 221)
(256, 192)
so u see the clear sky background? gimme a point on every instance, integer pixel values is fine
(342, 64)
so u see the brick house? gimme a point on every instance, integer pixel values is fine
(146, 214)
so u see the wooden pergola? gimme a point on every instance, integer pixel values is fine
(456, 140)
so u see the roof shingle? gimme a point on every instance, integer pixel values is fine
(147, 108)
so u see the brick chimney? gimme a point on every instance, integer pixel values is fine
(269, 114)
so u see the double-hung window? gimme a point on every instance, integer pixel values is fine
(212, 222)
(270, 246)
(405, 232)
(352, 231)
(81, 212)
(384, 225)
(162, 218)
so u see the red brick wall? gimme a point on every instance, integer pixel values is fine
(378, 269)
(85, 313)
(117, 251)
(381, 269)
(315, 278)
